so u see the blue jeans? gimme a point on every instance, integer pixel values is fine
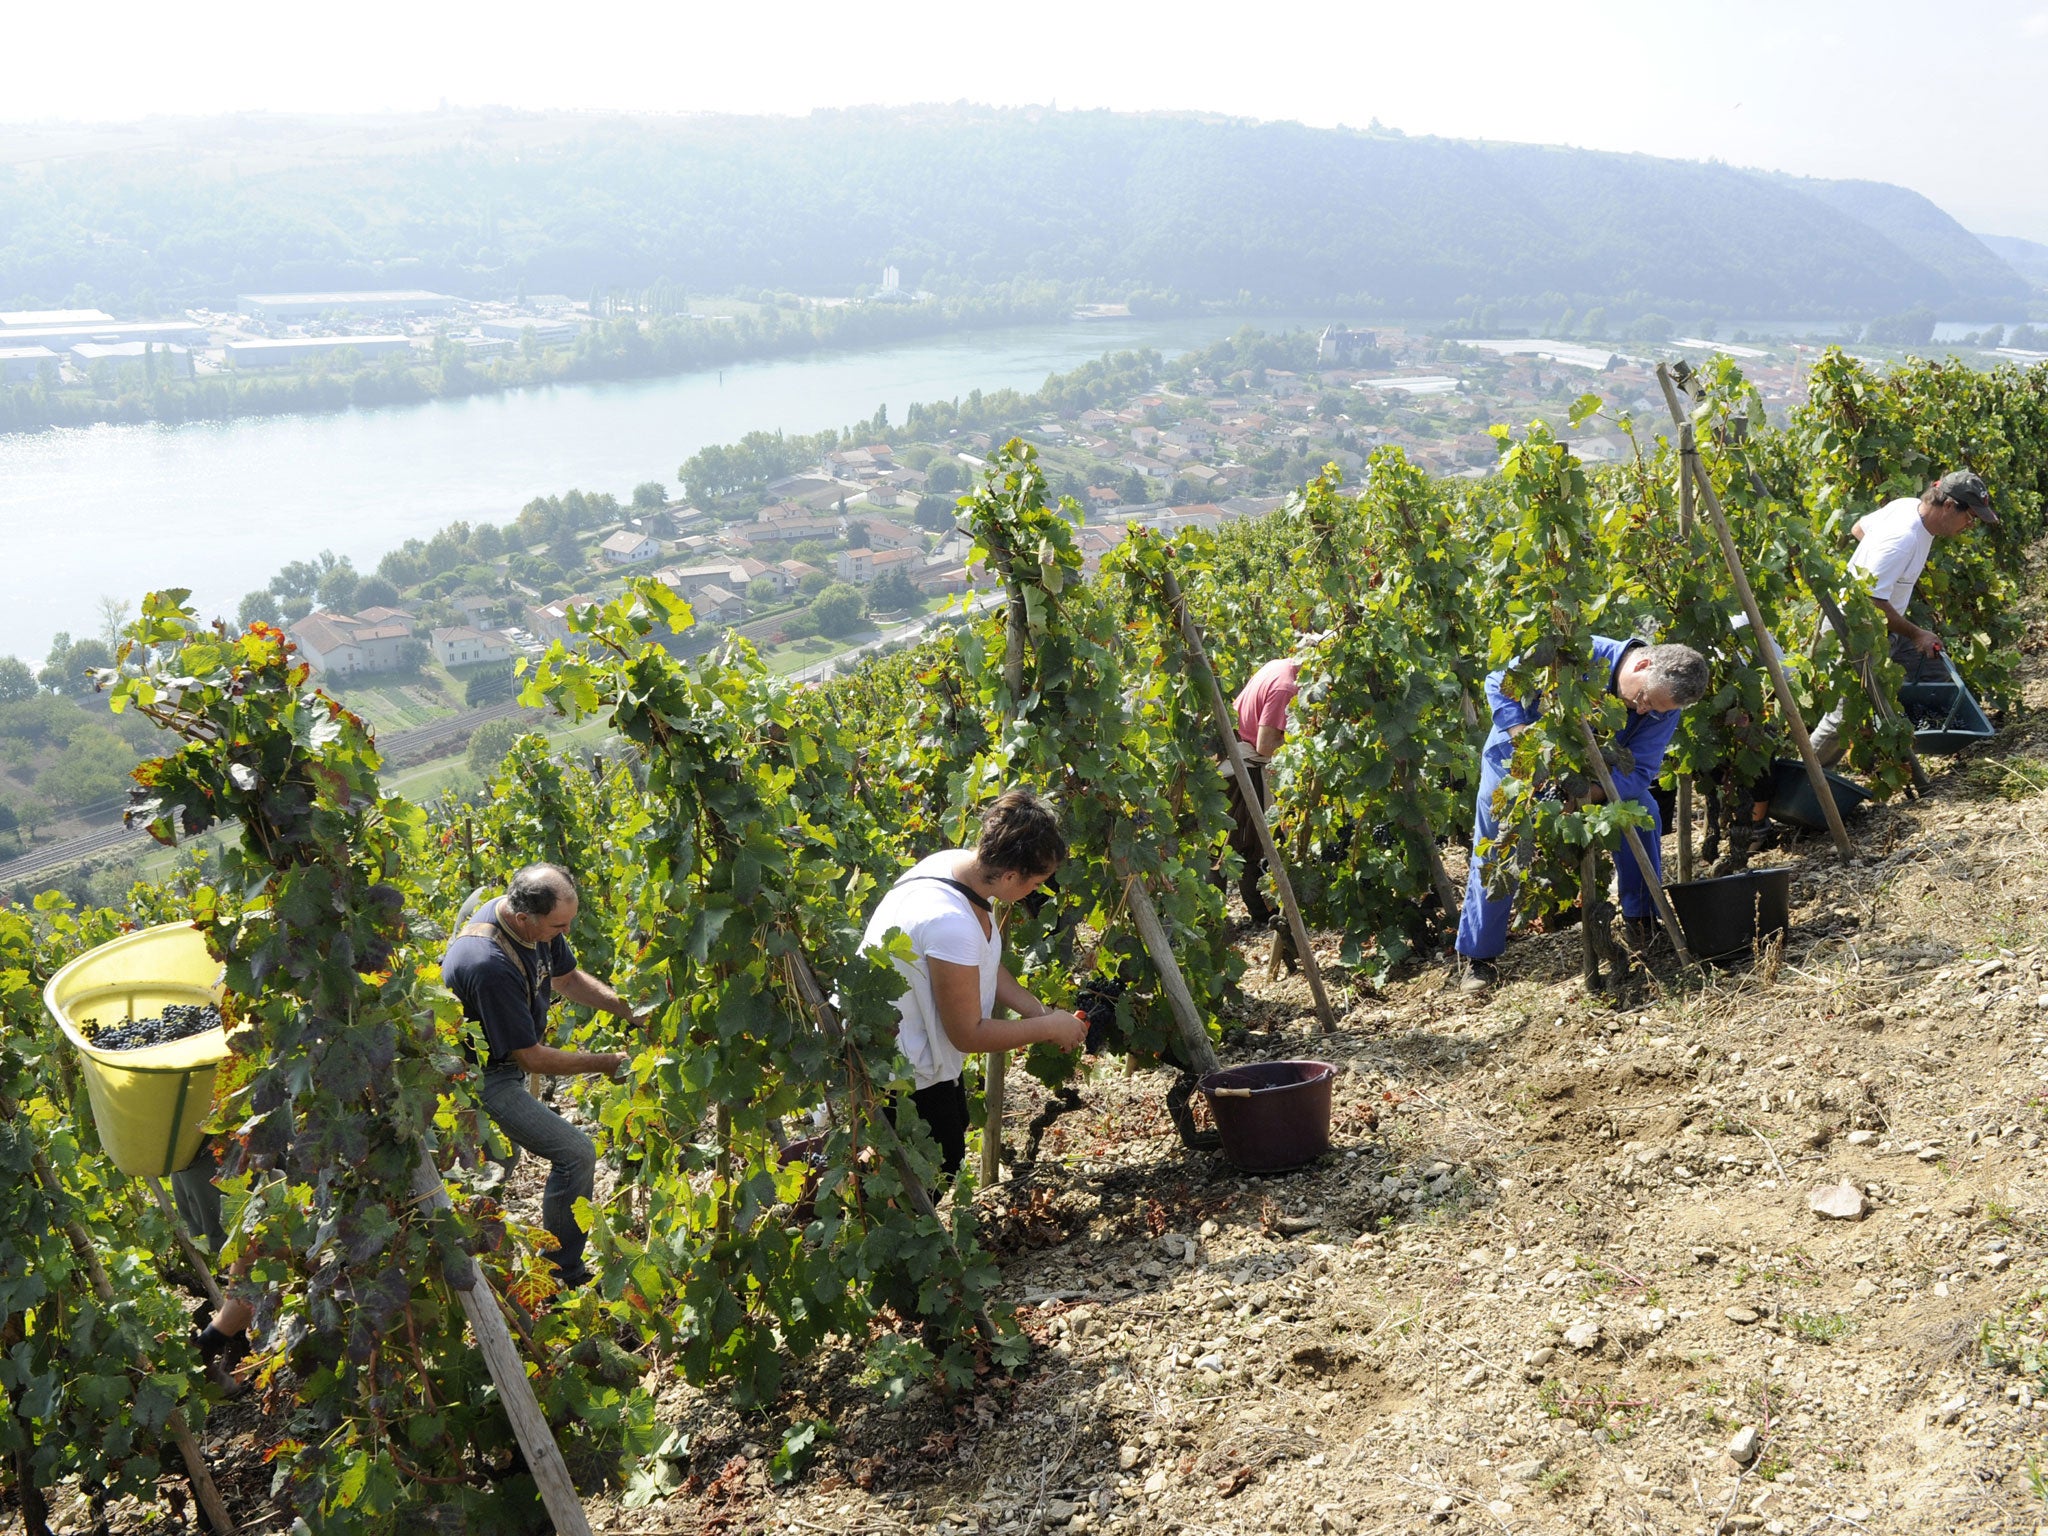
(1483, 925)
(572, 1159)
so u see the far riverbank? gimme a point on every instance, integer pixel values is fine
(119, 509)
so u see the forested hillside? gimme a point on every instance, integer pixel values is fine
(488, 203)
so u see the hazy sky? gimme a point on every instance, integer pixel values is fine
(1944, 98)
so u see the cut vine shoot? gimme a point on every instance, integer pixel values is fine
(177, 1022)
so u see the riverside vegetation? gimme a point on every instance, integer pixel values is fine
(728, 849)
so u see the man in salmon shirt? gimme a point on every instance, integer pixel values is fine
(1261, 725)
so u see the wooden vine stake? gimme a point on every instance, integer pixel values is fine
(1194, 1035)
(1840, 624)
(1815, 774)
(1685, 452)
(1197, 656)
(508, 1372)
(1016, 622)
(193, 1256)
(1635, 848)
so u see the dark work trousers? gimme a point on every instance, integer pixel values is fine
(572, 1161)
(943, 1109)
(1828, 745)
(1244, 837)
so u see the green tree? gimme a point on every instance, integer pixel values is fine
(566, 552)
(650, 496)
(838, 609)
(70, 661)
(259, 607)
(892, 592)
(10, 821)
(943, 477)
(763, 589)
(92, 767)
(1132, 487)
(811, 583)
(17, 682)
(489, 743)
(337, 589)
(376, 592)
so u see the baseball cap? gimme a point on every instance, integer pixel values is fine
(1967, 490)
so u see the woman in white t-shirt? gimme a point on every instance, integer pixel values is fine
(944, 905)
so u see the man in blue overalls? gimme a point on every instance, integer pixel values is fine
(1656, 682)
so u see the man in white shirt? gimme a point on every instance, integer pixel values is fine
(1894, 544)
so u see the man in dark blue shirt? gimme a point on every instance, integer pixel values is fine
(505, 965)
(1656, 682)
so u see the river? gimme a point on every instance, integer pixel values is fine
(220, 506)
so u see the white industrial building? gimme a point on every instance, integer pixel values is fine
(62, 337)
(171, 360)
(378, 303)
(549, 333)
(23, 365)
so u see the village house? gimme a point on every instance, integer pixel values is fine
(789, 574)
(714, 604)
(550, 621)
(689, 580)
(342, 644)
(627, 547)
(861, 566)
(884, 534)
(940, 573)
(460, 645)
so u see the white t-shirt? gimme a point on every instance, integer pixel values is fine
(1894, 550)
(941, 924)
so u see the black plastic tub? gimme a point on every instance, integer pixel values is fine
(1727, 917)
(1793, 799)
(1272, 1115)
(1945, 717)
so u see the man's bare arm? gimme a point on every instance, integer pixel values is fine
(551, 1061)
(579, 986)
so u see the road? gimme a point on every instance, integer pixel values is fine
(41, 861)
(909, 630)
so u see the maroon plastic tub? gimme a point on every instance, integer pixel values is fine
(1272, 1115)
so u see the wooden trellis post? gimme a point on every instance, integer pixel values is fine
(1233, 748)
(1635, 847)
(1016, 623)
(1816, 775)
(508, 1372)
(1685, 455)
(1194, 1034)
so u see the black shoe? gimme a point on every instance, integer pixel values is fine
(219, 1355)
(1476, 976)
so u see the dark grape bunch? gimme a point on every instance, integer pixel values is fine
(178, 1021)
(1097, 1004)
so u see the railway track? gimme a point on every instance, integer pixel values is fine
(42, 861)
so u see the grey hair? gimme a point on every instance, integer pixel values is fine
(1678, 671)
(535, 890)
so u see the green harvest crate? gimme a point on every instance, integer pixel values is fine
(150, 1105)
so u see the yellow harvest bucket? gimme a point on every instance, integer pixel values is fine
(151, 1105)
